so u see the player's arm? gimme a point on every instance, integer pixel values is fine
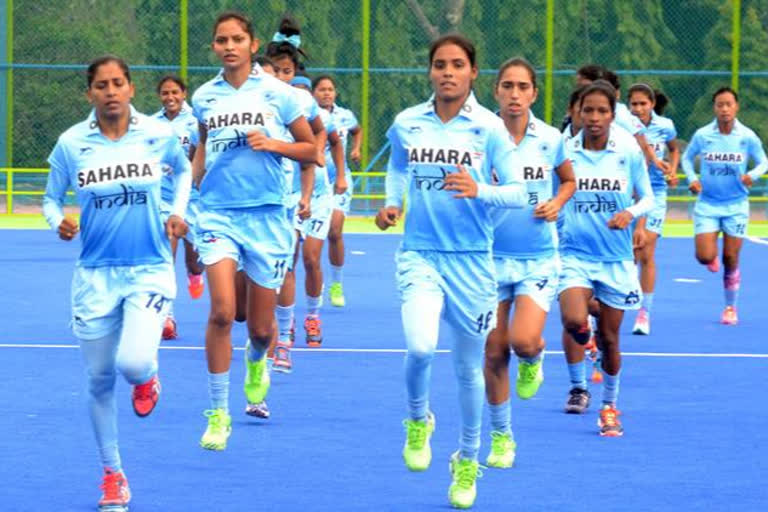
(641, 184)
(550, 210)
(395, 182)
(357, 142)
(650, 155)
(674, 161)
(688, 165)
(321, 138)
(198, 157)
(182, 170)
(757, 154)
(303, 150)
(337, 153)
(55, 193)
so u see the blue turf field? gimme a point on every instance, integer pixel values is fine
(696, 427)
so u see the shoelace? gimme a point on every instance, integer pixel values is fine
(215, 420)
(575, 397)
(528, 371)
(609, 417)
(144, 391)
(498, 442)
(417, 433)
(466, 473)
(111, 486)
(313, 326)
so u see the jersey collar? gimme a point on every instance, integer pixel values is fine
(577, 142)
(736, 126)
(469, 110)
(93, 124)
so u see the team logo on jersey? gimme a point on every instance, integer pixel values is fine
(442, 156)
(236, 119)
(427, 182)
(544, 147)
(211, 101)
(127, 197)
(598, 204)
(223, 144)
(415, 129)
(622, 162)
(601, 184)
(208, 238)
(632, 298)
(723, 157)
(86, 150)
(151, 142)
(113, 173)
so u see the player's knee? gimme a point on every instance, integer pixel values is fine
(221, 317)
(527, 345)
(608, 340)
(261, 334)
(420, 355)
(573, 323)
(101, 381)
(497, 354)
(311, 261)
(468, 374)
(334, 235)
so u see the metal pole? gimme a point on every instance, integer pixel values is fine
(549, 76)
(736, 48)
(184, 39)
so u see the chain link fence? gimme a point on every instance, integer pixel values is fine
(682, 47)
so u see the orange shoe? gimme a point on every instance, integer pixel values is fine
(730, 317)
(145, 396)
(195, 285)
(116, 494)
(313, 329)
(597, 375)
(169, 329)
(283, 363)
(609, 423)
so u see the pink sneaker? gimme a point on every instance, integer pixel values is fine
(642, 323)
(729, 316)
(714, 265)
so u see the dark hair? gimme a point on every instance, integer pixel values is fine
(280, 49)
(600, 87)
(591, 72)
(454, 38)
(612, 78)
(320, 78)
(643, 88)
(263, 60)
(244, 20)
(95, 64)
(520, 62)
(576, 95)
(662, 100)
(173, 78)
(724, 90)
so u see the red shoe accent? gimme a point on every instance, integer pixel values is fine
(195, 285)
(145, 396)
(115, 488)
(314, 333)
(169, 329)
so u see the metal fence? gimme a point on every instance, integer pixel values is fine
(377, 50)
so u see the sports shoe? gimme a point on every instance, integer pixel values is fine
(417, 452)
(256, 379)
(195, 285)
(337, 295)
(145, 396)
(529, 377)
(730, 317)
(502, 450)
(578, 401)
(314, 331)
(292, 335)
(714, 265)
(609, 423)
(642, 323)
(259, 410)
(597, 375)
(218, 431)
(169, 329)
(463, 490)
(283, 362)
(116, 493)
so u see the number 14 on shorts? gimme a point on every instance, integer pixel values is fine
(157, 302)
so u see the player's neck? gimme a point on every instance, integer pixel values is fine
(171, 115)
(114, 128)
(517, 126)
(237, 77)
(592, 143)
(726, 127)
(447, 109)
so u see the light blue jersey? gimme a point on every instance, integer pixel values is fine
(293, 169)
(322, 181)
(345, 121)
(606, 183)
(517, 233)
(236, 176)
(426, 150)
(723, 162)
(118, 184)
(659, 131)
(624, 118)
(184, 125)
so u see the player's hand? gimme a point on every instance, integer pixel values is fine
(662, 166)
(548, 210)
(747, 180)
(639, 239)
(672, 178)
(341, 184)
(620, 220)
(175, 227)
(320, 160)
(388, 217)
(354, 155)
(68, 229)
(695, 187)
(461, 182)
(260, 142)
(303, 209)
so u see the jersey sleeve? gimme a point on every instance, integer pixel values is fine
(670, 132)
(397, 169)
(510, 193)
(56, 187)
(688, 158)
(289, 107)
(641, 185)
(757, 154)
(182, 170)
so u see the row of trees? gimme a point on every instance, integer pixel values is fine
(688, 35)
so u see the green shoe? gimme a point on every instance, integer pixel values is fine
(529, 378)
(219, 428)
(502, 450)
(256, 378)
(463, 490)
(337, 295)
(417, 452)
